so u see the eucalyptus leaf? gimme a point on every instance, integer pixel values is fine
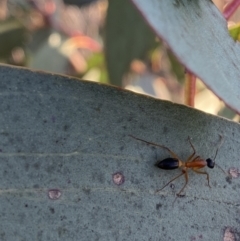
(70, 170)
(12, 35)
(197, 33)
(127, 38)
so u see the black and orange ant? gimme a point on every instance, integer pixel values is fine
(193, 162)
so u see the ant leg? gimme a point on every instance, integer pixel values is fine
(186, 181)
(154, 144)
(170, 182)
(195, 158)
(205, 173)
(194, 151)
(186, 178)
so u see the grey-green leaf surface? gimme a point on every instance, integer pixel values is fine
(61, 142)
(197, 33)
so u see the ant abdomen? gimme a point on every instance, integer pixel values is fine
(168, 164)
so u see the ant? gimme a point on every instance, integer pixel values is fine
(193, 162)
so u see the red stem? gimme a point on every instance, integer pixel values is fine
(230, 8)
(190, 88)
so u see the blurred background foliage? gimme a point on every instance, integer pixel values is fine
(98, 40)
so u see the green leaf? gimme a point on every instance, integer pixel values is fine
(12, 34)
(127, 37)
(59, 135)
(235, 32)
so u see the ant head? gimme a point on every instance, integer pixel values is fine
(210, 163)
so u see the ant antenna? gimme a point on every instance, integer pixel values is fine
(221, 139)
